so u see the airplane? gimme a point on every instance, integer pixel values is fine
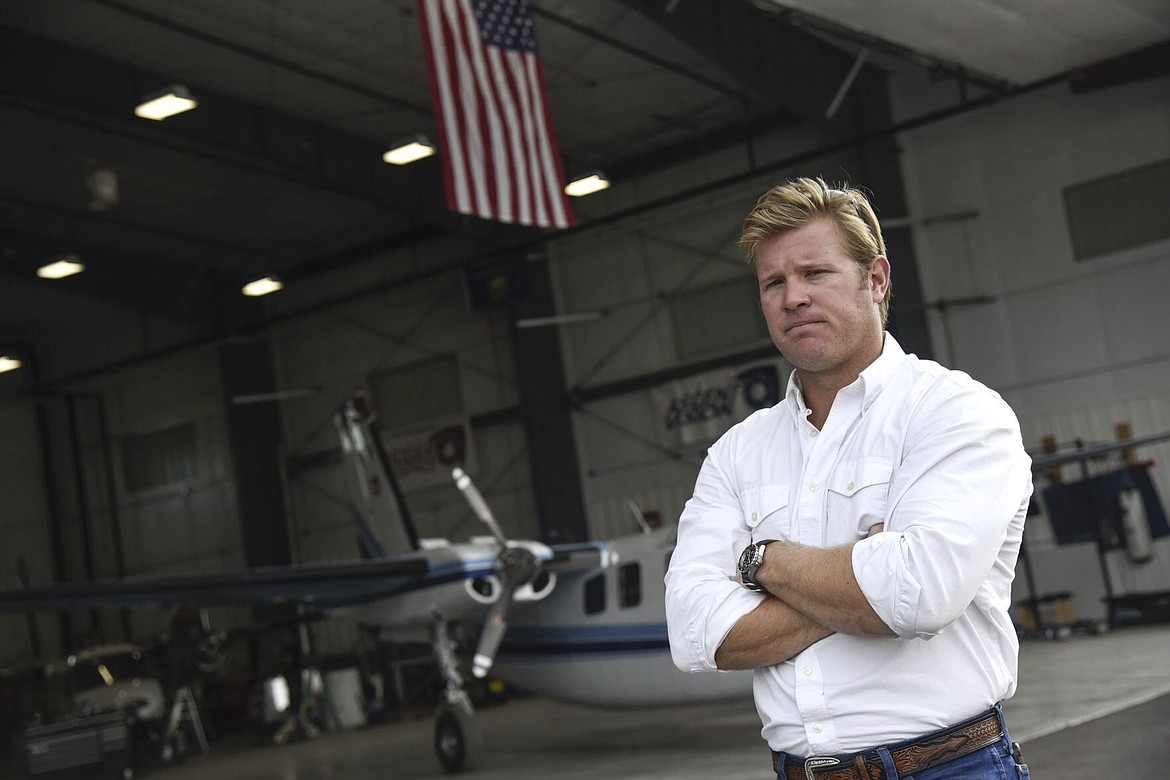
(588, 627)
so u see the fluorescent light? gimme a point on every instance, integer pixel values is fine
(59, 269)
(173, 100)
(587, 185)
(258, 287)
(9, 363)
(409, 151)
(559, 319)
(276, 395)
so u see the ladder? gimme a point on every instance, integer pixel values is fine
(183, 708)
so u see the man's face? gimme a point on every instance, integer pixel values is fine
(822, 314)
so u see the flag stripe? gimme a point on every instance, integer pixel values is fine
(490, 120)
(526, 129)
(468, 123)
(553, 168)
(518, 186)
(439, 72)
(500, 157)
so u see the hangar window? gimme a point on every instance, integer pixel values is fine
(595, 595)
(406, 395)
(718, 318)
(164, 457)
(1118, 212)
(630, 585)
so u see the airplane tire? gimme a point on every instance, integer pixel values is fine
(456, 739)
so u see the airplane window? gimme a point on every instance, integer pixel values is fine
(630, 581)
(595, 595)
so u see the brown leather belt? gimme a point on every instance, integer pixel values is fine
(935, 748)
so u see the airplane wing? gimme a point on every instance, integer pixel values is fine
(317, 584)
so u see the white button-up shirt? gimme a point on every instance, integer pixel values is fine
(938, 458)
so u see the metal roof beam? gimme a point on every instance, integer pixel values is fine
(782, 65)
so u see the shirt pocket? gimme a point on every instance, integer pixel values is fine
(765, 511)
(858, 497)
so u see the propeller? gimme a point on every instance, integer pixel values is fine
(478, 505)
(518, 565)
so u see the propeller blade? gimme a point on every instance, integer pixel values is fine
(489, 640)
(517, 566)
(478, 505)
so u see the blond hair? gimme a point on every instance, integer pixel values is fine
(798, 202)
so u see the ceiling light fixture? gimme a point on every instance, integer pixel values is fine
(410, 150)
(587, 184)
(560, 319)
(175, 99)
(62, 267)
(264, 286)
(9, 363)
(277, 395)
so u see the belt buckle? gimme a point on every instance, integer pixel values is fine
(814, 762)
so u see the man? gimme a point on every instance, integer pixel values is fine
(855, 544)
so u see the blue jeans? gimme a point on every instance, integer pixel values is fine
(994, 762)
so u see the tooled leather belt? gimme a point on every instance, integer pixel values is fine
(935, 748)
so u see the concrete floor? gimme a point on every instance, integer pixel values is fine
(1067, 688)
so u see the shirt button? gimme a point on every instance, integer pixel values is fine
(849, 486)
(813, 487)
(755, 516)
(813, 433)
(808, 671)
(817, 728)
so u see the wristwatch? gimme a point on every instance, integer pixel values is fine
(749, 562)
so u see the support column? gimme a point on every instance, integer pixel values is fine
(548, 424)
(255, 435)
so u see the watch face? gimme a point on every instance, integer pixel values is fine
(749, 561)
(745, 558)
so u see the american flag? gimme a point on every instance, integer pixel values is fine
(500, 157)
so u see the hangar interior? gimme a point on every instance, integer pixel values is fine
(161, 422)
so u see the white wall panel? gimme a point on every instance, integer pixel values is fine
(614, 517)
(628, 269)
(188, 526)
(1059, 331)
(1056, 329)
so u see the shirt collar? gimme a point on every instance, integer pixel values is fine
(877, 373)
(871, 380)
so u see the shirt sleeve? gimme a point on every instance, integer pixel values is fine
(703, 600)
(954, 501)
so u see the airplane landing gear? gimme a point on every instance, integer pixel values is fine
(457, 737)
